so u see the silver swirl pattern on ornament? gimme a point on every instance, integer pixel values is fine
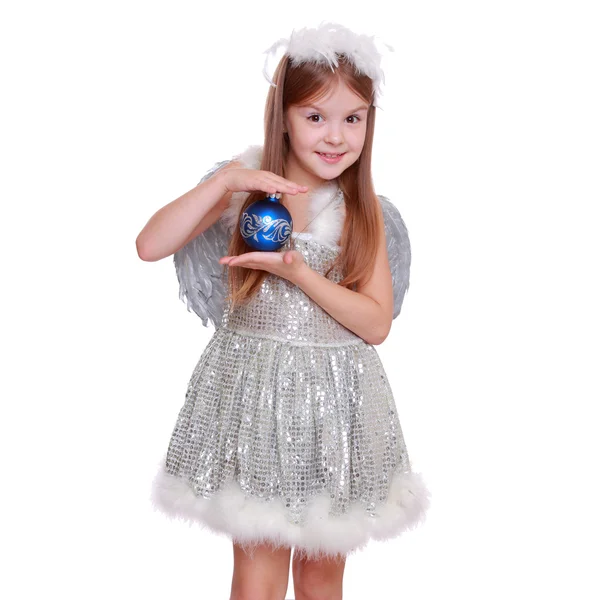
(275, 230)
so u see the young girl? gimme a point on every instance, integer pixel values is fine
(289, 435)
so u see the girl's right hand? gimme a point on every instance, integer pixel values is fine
(248, 180)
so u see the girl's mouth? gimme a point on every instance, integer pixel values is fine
(331, 158)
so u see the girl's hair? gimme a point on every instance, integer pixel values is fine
(303, 84)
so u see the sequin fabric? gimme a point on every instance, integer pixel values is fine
(291, 405)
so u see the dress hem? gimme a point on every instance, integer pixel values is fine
(251, 521)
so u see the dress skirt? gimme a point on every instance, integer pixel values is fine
(294, 444)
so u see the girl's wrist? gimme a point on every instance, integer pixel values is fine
(302, 275)
(221, 178)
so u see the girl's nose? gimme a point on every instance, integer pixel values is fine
(333, 137)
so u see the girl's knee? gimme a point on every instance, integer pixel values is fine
(260, 572)
(256, 593)
(318, 579)
(258, 588)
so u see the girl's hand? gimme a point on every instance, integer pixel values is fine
(287, 264)
(247, 180)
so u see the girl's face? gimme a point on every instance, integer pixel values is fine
(334, 125)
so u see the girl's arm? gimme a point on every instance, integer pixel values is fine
(367, 312)
(175, 224)
(180, 221)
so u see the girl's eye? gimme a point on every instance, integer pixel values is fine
(311, 118)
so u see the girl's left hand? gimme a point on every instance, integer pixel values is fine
(284, 264)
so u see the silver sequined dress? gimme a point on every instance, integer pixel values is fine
(289, 432)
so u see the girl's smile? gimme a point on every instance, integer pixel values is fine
(331, 159)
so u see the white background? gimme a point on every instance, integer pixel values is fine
(488, 143)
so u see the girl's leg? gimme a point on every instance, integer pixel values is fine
(262, 573)
(318, 579)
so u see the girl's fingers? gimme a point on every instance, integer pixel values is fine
(288, 189)
(286, 185)
(296, 186)
(266, 181)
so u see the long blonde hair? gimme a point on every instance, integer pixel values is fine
(301, 84)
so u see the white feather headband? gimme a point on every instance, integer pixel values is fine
(324, 43)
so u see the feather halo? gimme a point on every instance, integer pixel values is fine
(323, 44)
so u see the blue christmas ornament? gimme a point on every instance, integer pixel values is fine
(266, 224)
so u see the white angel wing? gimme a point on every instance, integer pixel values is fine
(202, 280)
(398, 247)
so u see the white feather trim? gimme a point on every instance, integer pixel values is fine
(328, 210)
(251, 157)
(249, 521)
(324, 43)
(325, 229)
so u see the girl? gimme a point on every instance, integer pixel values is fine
(289, 435)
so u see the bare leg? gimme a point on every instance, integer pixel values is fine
(318, 579)
(261, 573)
